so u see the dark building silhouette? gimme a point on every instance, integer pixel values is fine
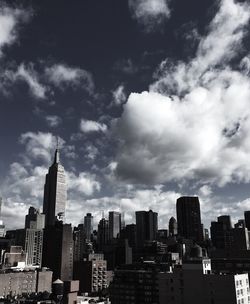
(247, 219)
(220, 232)
(129, 233)
(218, 235)
(58, 250)
(102, 234)
(226, 221)
(117, 252)
(55, 192)
(79, 236)
(240, 224)
(172, 226)
(91, 273)
(88, 225)
(114, 224)
(146, 227)
(189, 218)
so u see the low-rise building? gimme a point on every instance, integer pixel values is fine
(192, 282)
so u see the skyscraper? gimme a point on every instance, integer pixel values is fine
(102, 234)
(88, 225)
(226, 221)
(146, 226)
(34, 219)
(58, 250)
(55, 192)
(189, 218)
(33, 244)
(114, 224)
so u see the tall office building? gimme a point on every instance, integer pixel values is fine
(146, 227)
(34, 219)
(189, 218)
(55, 192)
(114, 224)
(58, 250)
(88, 225)
(102, 234)
(226, 221)
(33, 246)
(79, 237)
(247, 219)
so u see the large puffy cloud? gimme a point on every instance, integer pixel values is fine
(150, 14)
(194, 122)
(10, 18)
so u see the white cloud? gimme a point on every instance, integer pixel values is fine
(160, 201)
(39, 146)
(30, 76)
(53, 120)
(61, 75)
(150, 14)
(87, 126)
(84, 183)
(194, 122)
(10, 18)
(91, 152)
(119, 96)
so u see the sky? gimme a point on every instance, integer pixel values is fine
(150, 100)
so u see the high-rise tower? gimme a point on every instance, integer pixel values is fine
(88, 225)
(146, 226)
(55, 192)
(189, 218)
(114, 224)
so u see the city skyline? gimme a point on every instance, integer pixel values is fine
(149, 100)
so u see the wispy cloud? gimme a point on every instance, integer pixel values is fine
(119, 95)
(61, 75)
(87, 126)
(53, 120)
(29, 75)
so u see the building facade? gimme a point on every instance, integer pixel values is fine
(146, 227)
(189, 218)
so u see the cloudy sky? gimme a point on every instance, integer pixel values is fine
(150, 100)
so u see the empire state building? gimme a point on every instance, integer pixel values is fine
(55, 192)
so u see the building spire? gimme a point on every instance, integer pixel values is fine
(57, 153)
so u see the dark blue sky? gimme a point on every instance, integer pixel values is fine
(150, 100)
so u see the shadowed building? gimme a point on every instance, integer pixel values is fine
(55, 192)
(146, 227)
(247, 219)
(102, 234)
(58, 250)
(88, 225)
(172, 226)
(189, 218)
